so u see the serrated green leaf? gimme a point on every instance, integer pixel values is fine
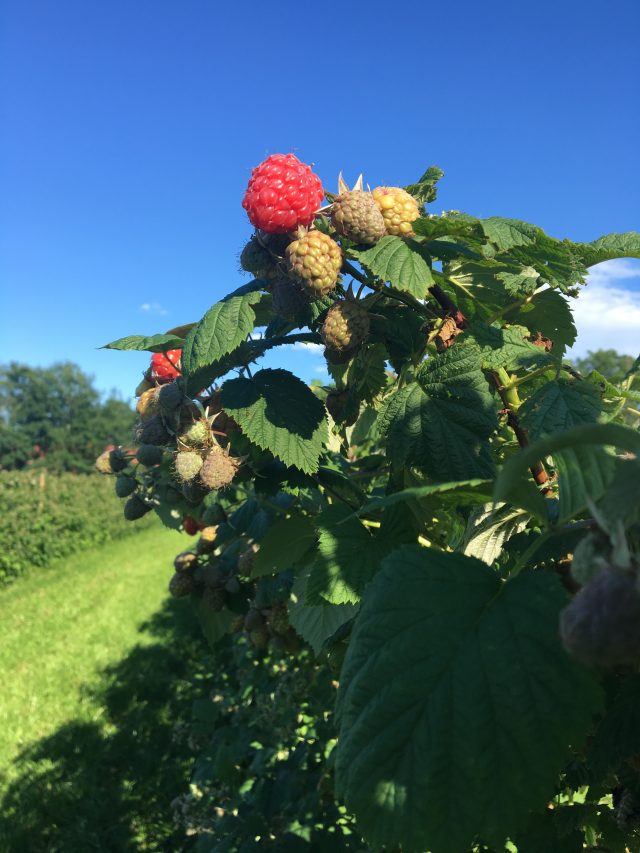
(279, 413)
(286, 542)
(424, 190)
(214, 624)
(506, 348)
(524, 281)
(223, 328)
(315, 623)
(618, 734)
(394, 261)
(559, 405)
(442, 422)
(348, 556)
(464, 491)
(509, 233)
(448, 698)
(626, 245)
(548, 313)
(487, 531)
(583, 474)
(152, 343)
(602, 435)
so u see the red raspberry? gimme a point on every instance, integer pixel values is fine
(165, 365)
(190, 525)
(282, 194)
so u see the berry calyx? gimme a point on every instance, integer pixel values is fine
(398, 208)
(165, 366)
(282, 194)
(314, 261)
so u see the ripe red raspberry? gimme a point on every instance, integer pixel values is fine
(165, 366)
(283, 193)
(190, 525)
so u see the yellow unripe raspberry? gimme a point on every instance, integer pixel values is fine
(399, 210)
(314, 262)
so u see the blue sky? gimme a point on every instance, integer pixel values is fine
(129, 130)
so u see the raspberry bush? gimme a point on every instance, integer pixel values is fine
(422, 578)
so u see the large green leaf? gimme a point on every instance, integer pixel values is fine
(458, 706)
(279, 413)
(394, 261)
(224, 327)
(286, 542)
(509, 233)
(348, 557)
(507, 348)
(559, 405)
(583, 474)
(442, 422)
(153, 343)
(462, 491)
(626, 245)
(487, 531)
(547, 313)
(315, 623)
(517, 466)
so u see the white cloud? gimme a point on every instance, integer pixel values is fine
(309, 347)
(607, 314)
(153, 308)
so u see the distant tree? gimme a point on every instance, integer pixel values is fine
(55, 416)
(611, 364)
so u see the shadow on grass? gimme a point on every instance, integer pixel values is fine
(97, 787)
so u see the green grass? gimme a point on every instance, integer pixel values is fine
(95, 673)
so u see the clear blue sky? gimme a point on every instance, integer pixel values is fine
(128, 131)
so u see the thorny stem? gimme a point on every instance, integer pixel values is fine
(509, 396)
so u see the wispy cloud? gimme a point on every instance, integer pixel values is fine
(607, 313)
(309, 347)
(153, 308)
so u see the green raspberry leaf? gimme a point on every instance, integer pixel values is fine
(559, 405)
(424, 190)
(610, 246)
(315, 623)
(509, 233)
(279, 413)
(285, 543)
(442, 422)
(507, 348)
(153, 343)
(393, 260)
(448, 699)
(548, 314)
(223, 328)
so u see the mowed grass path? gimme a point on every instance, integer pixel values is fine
(95, 671)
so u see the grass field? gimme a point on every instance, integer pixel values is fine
(95, 671)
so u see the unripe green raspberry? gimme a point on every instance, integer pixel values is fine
(185, 561)
(245, 560)
(181, 584)
(214, 515)
(342, 408)
(187, 465)
(171, 396)
(213, 575)
(197, 434)
(125, 486)
(345, 326)
(258, 260)
(601, 625)
(219, 469)
(356, 216)
(254, 620)
(153, 431)
(279, 619)
(149, 455)
(111, 461)
(194, 492)
(214, 598)
(314, 260)
(259, 638)
(288, 298)
(135, 508)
